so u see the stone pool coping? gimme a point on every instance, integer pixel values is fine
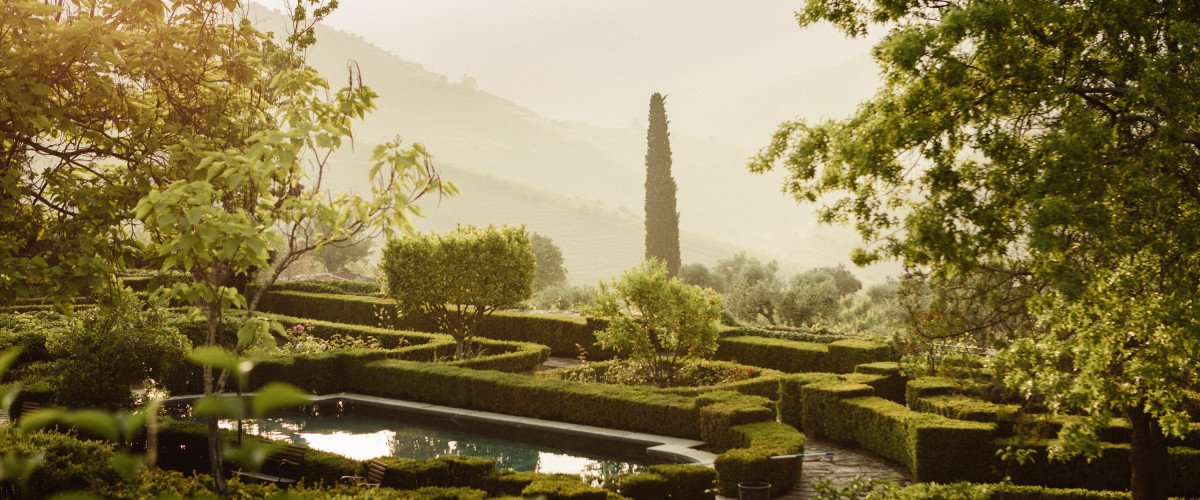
(667, 447)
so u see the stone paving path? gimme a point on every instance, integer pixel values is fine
(847, 463)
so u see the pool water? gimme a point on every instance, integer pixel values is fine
(364, 432)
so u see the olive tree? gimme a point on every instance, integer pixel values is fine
(657, 319)
(458, 278)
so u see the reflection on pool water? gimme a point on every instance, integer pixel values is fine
(363, 432)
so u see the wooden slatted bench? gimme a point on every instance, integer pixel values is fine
(282, 468)
(374, 477)
(27, 408)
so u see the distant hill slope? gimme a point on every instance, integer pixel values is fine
(516, 166)
(597, 242)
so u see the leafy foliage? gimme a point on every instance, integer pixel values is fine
(657, 319)
(336, 256)
(550, 271)
(106, 351)
(662, 214)
(458, 278)
(1053, 142)
(564, 298)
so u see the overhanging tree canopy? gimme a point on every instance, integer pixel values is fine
(1049, 141)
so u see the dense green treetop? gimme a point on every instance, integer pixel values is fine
(458, 277)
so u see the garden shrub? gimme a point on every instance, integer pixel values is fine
(458, 278)
(28, 331)
(108, 350)
(751, 459)
(669, 481)
(69, 463)
(562, 487)
(657, 320)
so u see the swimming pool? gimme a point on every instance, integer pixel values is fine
(363, 431)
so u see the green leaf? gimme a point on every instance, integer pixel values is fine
(7, 358)
(19, 468)
(216, 357)
(277, 395)
(39, 419)
(251, 454)
(127, 465)
(219, 406)
(95, 422)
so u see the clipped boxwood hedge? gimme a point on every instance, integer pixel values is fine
(1109, 471)
(934, 448)
(791, 402)
(791, 356)
(750, 460)
(631, 408)
(929, 386)
(669, 481)
(1003, 491)
(563, 334)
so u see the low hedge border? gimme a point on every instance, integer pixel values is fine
(934, 448)
(817, 336)
(669, 481)
(1109, 471)
(563, 334)
(750, 460)
(792, 356)
(511, 356)
(638, 409)
(1003, 491)
(320, 372)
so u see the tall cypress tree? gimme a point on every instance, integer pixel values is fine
(662, 218)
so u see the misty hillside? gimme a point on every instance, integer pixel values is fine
(578, 184)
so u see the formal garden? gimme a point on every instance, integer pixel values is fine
(163, 189)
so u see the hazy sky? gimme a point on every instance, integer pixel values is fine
(726, 66)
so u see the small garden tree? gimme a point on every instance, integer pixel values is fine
(550, 271)
(458, 278)
(658, 319)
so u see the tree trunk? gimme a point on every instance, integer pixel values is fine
(1148, 457)
(214, 456)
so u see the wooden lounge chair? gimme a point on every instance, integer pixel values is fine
(282, 468)
(374, 477)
